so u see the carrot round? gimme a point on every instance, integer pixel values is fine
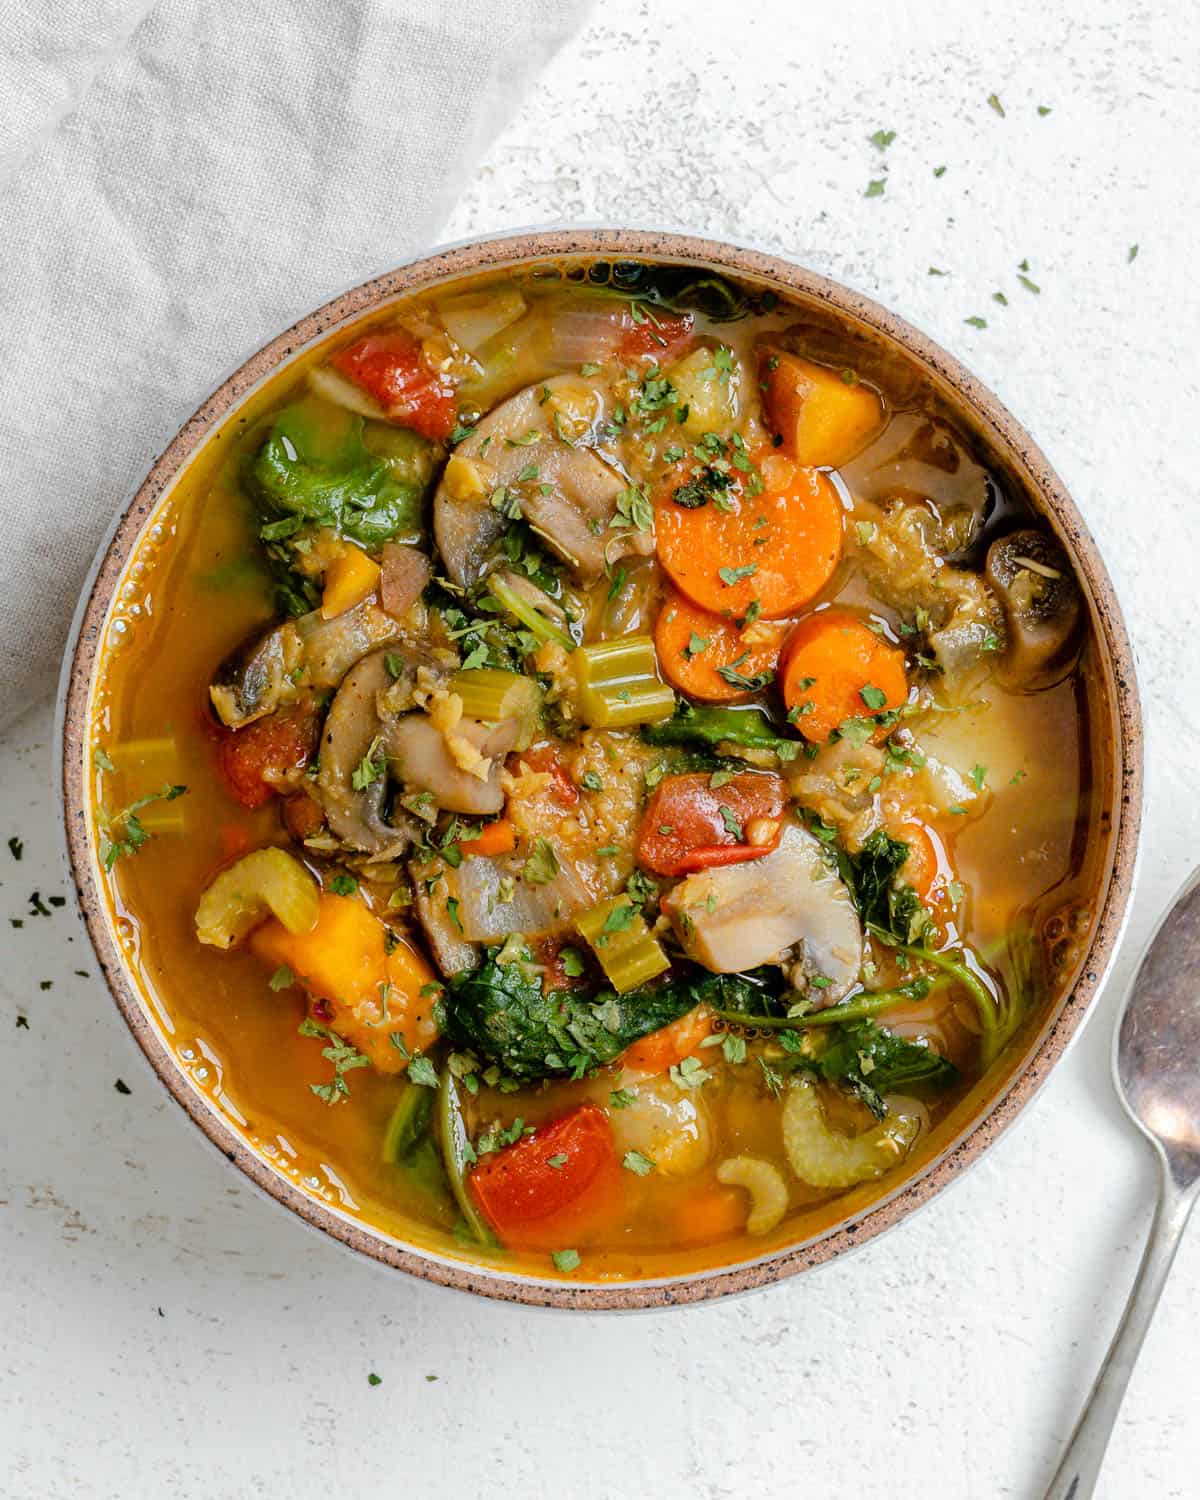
(835, 668)
(778, 548)
(669, 1045)
(499, 837)
(693, 644)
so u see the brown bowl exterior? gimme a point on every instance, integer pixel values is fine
(982, 413)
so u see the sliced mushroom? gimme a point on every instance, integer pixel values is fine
(357, 814)
(739, 916)
(1043, 606)
(551, 428)
(418, 755)
(331, 647)
(256, 678)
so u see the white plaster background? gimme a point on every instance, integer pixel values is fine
(163, 1332)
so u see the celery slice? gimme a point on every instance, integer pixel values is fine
(619, 684)
(263, 882)
(628, 952)
(152, 763)
(532, 619)
(490, 694)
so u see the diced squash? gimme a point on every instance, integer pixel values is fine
(369, 995)
(350, 577)
(823, 417)
(262, 882)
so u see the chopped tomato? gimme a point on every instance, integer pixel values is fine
(544, 761)
(303, 815)
(392, 368)
(689, 824)
(668, 1046)
(548, 953)
(536, 1185)
(256, 761)
(661, 334)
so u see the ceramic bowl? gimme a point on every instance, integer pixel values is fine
(1012, 452)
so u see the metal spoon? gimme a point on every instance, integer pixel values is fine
(1157, 1073)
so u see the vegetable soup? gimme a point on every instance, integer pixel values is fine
(596, 770)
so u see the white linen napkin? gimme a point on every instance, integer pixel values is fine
(179, 181)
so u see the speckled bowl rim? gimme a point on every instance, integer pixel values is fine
(986, 413)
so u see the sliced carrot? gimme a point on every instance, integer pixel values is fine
(371, 983)
(822, 417)
(778, 548)
(836, 668)
(499, 837)
(669, 1045)
(693, 644)
(705, 1214)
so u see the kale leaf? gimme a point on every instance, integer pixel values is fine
(871, 1062)
(503, 1016)
(315, 469)
(710, 726)
(895, 909)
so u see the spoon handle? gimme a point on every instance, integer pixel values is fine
(1075, 1478)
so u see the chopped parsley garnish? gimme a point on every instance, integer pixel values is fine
(637, 1161)
(994, 101)
(696, 644)
(689, 1074)
(422, 1071)
(16, 847)
(123, 831)
(343, 885)
(976, 321)
(882, 139)
(542, 865)
(371, 768)
(565, 1260)
(731, 576)
(875, 698)
(875, 187)
(591, 782)
(708, 484)
(282, 978)
(622, 1098)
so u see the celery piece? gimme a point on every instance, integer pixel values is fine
(490, 694)
(533, 620)
(409, 1122)
(260, 883)
(153, 763)
(619, 684)
(456, 1154)
(629, 954)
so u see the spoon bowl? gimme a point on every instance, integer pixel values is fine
(1157, 1075)
(1157, 1059)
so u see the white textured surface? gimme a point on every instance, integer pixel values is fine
(165, 1333)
